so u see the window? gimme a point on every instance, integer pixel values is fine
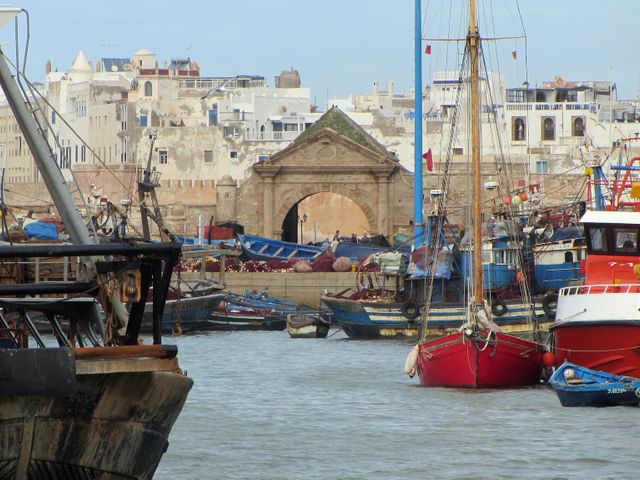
(518, 131)
(208, 156)
(577, 125)
(230, 132)
(148, 89)
(143, 120)
(458, 151)
(290, 127)
(53, 117)
(542, 166)
(233, 154)
(598, 239)
(83, 154)
(81, 108)
(123, 117)
(123, 150)
(515, 96)
(213, 116)
(626, 240)
(548, 129)
(163, 157)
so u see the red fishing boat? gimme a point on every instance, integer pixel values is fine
(598, 323)
(479, 355)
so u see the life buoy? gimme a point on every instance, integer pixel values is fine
(550, 304)
(498, 307)
(411, 363)
(410, 310)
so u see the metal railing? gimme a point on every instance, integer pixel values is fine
(599, 289)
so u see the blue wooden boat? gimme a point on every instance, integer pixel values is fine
(265, 249)
(257, 311)
(183, 315)
(578, 386)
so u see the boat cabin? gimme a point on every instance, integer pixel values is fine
(613, 252)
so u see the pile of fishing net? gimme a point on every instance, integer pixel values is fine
(323, 263)
(268, 266)
(342, 264)
(302, 267)
(212, 265)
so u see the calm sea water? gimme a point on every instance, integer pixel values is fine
(265, 406)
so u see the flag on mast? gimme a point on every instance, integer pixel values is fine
(427, 50)
(429, 158)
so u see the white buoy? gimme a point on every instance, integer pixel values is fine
(411, 364)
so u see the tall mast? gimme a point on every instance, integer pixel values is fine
(418, 221)
(473, 43)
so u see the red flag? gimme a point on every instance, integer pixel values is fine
(429, 158)
(514, 54)
(427, 50)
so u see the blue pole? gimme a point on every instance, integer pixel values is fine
(598, 177)
(418, 221)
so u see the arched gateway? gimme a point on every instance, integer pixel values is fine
(333, 155)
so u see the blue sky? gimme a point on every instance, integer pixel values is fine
(339, 46)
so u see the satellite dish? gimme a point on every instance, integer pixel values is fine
(114, 68)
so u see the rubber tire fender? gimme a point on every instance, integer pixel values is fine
(498, 307)
(410, 310)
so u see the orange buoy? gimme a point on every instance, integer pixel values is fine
(548, 359)
(524, 197)
(506, 200)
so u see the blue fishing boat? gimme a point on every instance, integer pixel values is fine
(265, 249)
(183, 314)
(257, 311)
(578, 386)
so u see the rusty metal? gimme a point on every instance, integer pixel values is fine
(127, 351)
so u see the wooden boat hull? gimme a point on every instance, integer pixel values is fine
(608, 346)
(590, 388)
(265, 249)
(245, 321)
(464, 361)
(369, 319)
(307, 326)
(114, 423)
(189, 314)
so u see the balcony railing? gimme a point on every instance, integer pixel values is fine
(270, 136)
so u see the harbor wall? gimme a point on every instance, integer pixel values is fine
(292, 286)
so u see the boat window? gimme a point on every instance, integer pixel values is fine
(568, 257)
(598, 239)
(626, 239)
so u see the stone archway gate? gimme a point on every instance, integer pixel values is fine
(326, 161)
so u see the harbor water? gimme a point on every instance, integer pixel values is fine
(265, 406)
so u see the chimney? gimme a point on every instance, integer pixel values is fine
(47, 68)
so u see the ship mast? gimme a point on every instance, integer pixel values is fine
(473, 44)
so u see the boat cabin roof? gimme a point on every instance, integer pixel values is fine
(611, 217)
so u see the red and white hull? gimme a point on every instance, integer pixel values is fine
(475, 361)
(598, 327)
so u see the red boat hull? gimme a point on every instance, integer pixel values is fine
(460, 361)
(608, 346)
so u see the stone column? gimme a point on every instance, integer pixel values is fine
(384, 217)
(267, 228)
